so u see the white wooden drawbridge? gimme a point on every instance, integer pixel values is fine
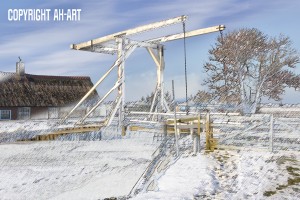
(122, 45)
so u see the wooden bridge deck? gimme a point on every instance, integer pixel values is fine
(65, 131)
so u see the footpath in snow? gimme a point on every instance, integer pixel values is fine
(230, 175)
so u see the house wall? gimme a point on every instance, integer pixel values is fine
(35, 112)
(57, 112)
(79, 112)
(14, 111)
(39, 113)
(101, 111)
(53, 112)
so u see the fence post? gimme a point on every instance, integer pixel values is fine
(198, 133)
(207, 127)
(165, 130)
(191, 129)
(271, 132)
(175, 121)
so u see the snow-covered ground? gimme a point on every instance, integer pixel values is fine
(111, 168)
(16, 130)
(73, 169)
(230, 175)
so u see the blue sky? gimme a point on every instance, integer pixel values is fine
(44, 46)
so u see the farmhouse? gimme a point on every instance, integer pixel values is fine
(27, 96)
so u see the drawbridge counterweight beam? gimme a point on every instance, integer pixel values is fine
(140, 29)
(197, 32)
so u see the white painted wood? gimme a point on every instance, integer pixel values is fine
(133, 31)
(99, 102)
(116, 63)
(188, 34)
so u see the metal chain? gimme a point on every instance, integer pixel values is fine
(221, 34)
(224, 63)
(185, 70)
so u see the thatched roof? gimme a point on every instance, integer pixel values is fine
(38, 90)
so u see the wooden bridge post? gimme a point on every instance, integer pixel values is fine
(165, 130)
(208, 144)
(124, 129)
(198, 132)
(191, 128)
(271, 132)
(196, 137)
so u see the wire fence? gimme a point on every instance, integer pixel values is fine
(272, 128)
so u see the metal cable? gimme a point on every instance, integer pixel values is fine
(185, 70)
(224, 64)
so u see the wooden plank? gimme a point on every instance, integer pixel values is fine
(69, 130)
(171, 121)
(187, 126)
(189, 34)
(136, 30)
(187, 119)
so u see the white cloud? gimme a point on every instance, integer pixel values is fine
(194, 84)
(45, 49)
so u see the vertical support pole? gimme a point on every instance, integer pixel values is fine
(271, 132)
(165, 130)
(121, 78)
(207, 127)
(178, 132)
(159, 100)
(158, 74)
(161, 74)
(124, 128)
(198, 132)
(195, 144)
(193, 137)
(159, 79)
(191, 129)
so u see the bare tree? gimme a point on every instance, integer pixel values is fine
(148, 99)
(202, 97)
(246, 65)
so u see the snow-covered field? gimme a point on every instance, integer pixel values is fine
(73, 169)
(230, 175)
(111, 168)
